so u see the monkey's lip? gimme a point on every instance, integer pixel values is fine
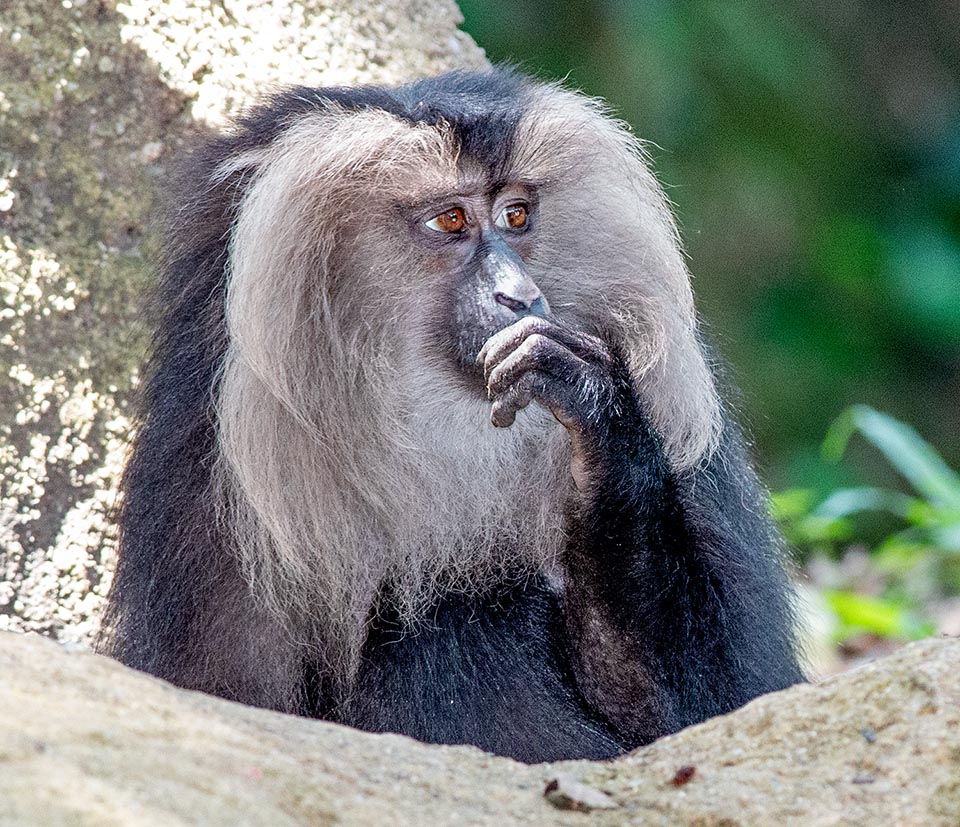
(503, 319)
(467, 355)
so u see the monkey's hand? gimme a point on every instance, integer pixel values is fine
(575, 375)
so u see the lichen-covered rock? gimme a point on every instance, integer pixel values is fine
(95, 97)
(84, 740)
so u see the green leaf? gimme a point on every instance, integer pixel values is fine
(861, 613)
(838, 436)
(906, 450)
(849, 501)
(818, 529)
(791, 504)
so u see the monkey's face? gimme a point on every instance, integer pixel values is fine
(398, 244)
(478, 241)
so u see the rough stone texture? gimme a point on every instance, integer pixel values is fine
(84, 740)
(95, 97)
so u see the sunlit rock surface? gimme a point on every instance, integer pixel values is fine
(84, 740)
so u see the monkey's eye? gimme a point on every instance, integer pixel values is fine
(513, 217)
(449, 221)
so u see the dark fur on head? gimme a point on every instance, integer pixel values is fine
(312, 470)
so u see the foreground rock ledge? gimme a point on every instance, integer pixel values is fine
(85, 741)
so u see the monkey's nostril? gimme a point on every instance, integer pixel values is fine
(513, 304)
(537, 307)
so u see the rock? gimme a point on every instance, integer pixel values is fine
(94, 98)
(84, 740)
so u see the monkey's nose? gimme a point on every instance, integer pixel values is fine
(528, 302)
(510, 282)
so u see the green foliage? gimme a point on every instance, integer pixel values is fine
(858, 613)
(918, 560)
(804, 529)
(932, 515)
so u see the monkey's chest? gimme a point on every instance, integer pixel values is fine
(489, 672)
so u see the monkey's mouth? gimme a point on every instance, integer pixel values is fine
(474, 326)
(471, 372)
(469, 342)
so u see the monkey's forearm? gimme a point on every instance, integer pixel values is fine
(683, 574)
(675, 600)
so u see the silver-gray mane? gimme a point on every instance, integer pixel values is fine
(350, 461)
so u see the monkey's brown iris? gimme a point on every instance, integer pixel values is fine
(450, 221)
(516, 215)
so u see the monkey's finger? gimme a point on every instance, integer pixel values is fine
(496, 348)
(502, 342)
(538, 353)
(515, 398)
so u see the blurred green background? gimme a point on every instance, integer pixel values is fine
(812, 149)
